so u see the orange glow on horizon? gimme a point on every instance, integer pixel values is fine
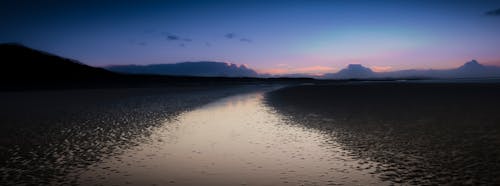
(311, 70)
(381, 68)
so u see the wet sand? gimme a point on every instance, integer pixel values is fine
(167, 136)
(45, 135)
(237, 140)
(417, 133)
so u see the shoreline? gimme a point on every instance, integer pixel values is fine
(232, 141)
(417, 133)
(48, 134)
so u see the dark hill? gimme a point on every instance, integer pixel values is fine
(201, 69)
(24, 68)
(21, 64)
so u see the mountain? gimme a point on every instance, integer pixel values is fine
(474, 69)
(203, 68)
(471, 69)
(23, 64)
(352, 71)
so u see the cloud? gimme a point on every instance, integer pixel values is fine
(381, 68)
(495, 12)
(234, 36)
(230, 35)
(244, 66)
(245, 40)
(172, 37)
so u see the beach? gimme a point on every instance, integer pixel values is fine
(49, 133)
(333, 133)
(417, 133)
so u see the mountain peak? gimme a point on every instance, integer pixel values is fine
(358, 68)
(472, 65)
(353, 71)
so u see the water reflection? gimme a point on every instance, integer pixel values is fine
(234, 141)
(44, 136)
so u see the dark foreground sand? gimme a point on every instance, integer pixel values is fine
(44, 135)
(417, 133)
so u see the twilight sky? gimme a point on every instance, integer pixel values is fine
(270, 36)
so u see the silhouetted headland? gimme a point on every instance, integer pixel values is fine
(24, 68)
(200, 68)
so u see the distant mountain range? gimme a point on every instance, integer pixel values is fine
(23, 64)
(471, 69)
(24, 68)
(202, 68)
(352, 71)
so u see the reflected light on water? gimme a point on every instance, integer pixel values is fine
(238, 140)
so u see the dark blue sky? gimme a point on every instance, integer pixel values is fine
(271, 36)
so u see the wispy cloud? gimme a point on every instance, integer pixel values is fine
(173, 38)
(245, 40)
(239, 38)
(495, 12)
(230, 35)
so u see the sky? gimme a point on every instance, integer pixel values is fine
(275, 37)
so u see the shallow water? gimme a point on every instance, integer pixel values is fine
(237, 140)
(44, 135)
